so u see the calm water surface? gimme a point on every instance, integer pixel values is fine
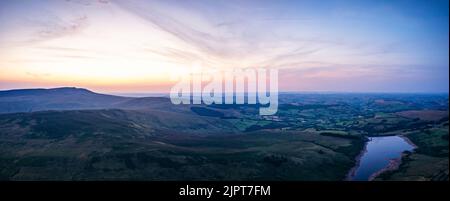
(379, 151)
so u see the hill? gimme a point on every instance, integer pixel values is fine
(67, 98)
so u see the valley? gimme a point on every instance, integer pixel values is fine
(313, 137)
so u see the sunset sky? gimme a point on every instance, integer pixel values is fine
(134, 46)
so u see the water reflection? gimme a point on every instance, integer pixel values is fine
(379, 152)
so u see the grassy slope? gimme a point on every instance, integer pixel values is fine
(429, 161)
(116, 144)
(160, 142)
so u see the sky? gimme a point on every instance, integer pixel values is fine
(134, 45)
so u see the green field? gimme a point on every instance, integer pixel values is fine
(312, 137)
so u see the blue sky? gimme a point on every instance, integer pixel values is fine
(133, 46)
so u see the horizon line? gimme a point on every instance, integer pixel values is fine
(279, 92)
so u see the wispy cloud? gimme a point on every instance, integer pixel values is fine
(51, 26)
(327, 40)
(38, 75)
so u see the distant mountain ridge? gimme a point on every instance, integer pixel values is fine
(42, 91)
(67, 98)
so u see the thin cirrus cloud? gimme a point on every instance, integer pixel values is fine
(134, 46)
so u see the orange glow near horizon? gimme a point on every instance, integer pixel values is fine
(136, 46)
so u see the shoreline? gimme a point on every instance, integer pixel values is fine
(352, 172)
(408, 141)
(393, 164)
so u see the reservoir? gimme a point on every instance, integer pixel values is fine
(379, 151)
